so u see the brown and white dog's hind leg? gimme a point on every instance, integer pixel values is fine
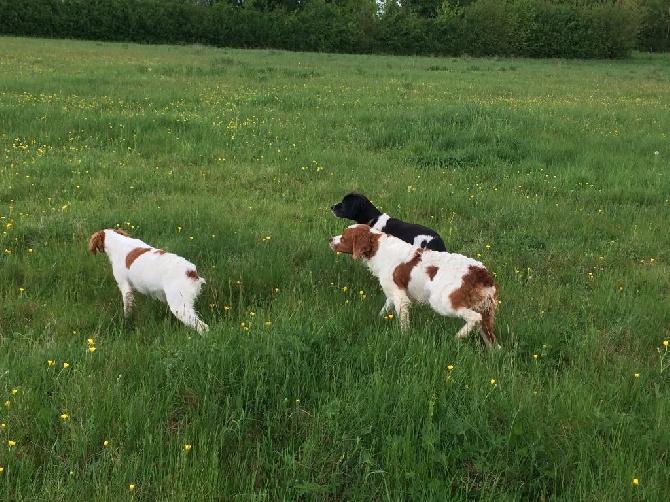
(472, 320)
(488, 334)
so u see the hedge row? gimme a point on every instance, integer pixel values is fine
(527, 28)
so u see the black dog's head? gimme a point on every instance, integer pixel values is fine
(357, 207)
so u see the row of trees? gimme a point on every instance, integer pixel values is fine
(527, 28)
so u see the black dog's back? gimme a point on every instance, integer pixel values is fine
(409, 232)
(357, 207)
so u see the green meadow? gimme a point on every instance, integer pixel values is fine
(554, 173)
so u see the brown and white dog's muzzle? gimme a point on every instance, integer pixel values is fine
(334, 242)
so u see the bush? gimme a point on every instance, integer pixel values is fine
(545, 28)
(529, 28)
(655, 30)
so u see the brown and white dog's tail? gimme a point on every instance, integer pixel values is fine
(487, 308)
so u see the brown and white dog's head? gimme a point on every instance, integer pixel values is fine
(360, 241)
(96, 244)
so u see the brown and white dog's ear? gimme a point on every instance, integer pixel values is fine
(361, 242)
(361, 246)
(96, 244)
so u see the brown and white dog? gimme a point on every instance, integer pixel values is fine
(164, 276)
(452, 284)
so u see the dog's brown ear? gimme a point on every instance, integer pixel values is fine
(96, 244)
(361, 244)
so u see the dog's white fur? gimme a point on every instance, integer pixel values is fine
(164, 276)
(452, 284)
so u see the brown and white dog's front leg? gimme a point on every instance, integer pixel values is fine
(388, 305)
(402, 302)
(397, 298)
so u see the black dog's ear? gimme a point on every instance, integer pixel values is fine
(354, 201)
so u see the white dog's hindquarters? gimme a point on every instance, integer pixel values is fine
(164, 276)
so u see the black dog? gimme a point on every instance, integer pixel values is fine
(357, 207)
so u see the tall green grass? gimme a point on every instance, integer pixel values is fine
(553, 173)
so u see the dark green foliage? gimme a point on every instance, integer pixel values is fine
(655, 31)
(527, 28)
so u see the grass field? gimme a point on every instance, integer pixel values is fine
(554, 173)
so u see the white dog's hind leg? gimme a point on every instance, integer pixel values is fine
(184, 311)
(189, 317)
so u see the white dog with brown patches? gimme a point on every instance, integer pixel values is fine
(139, 267)
(452, 284)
